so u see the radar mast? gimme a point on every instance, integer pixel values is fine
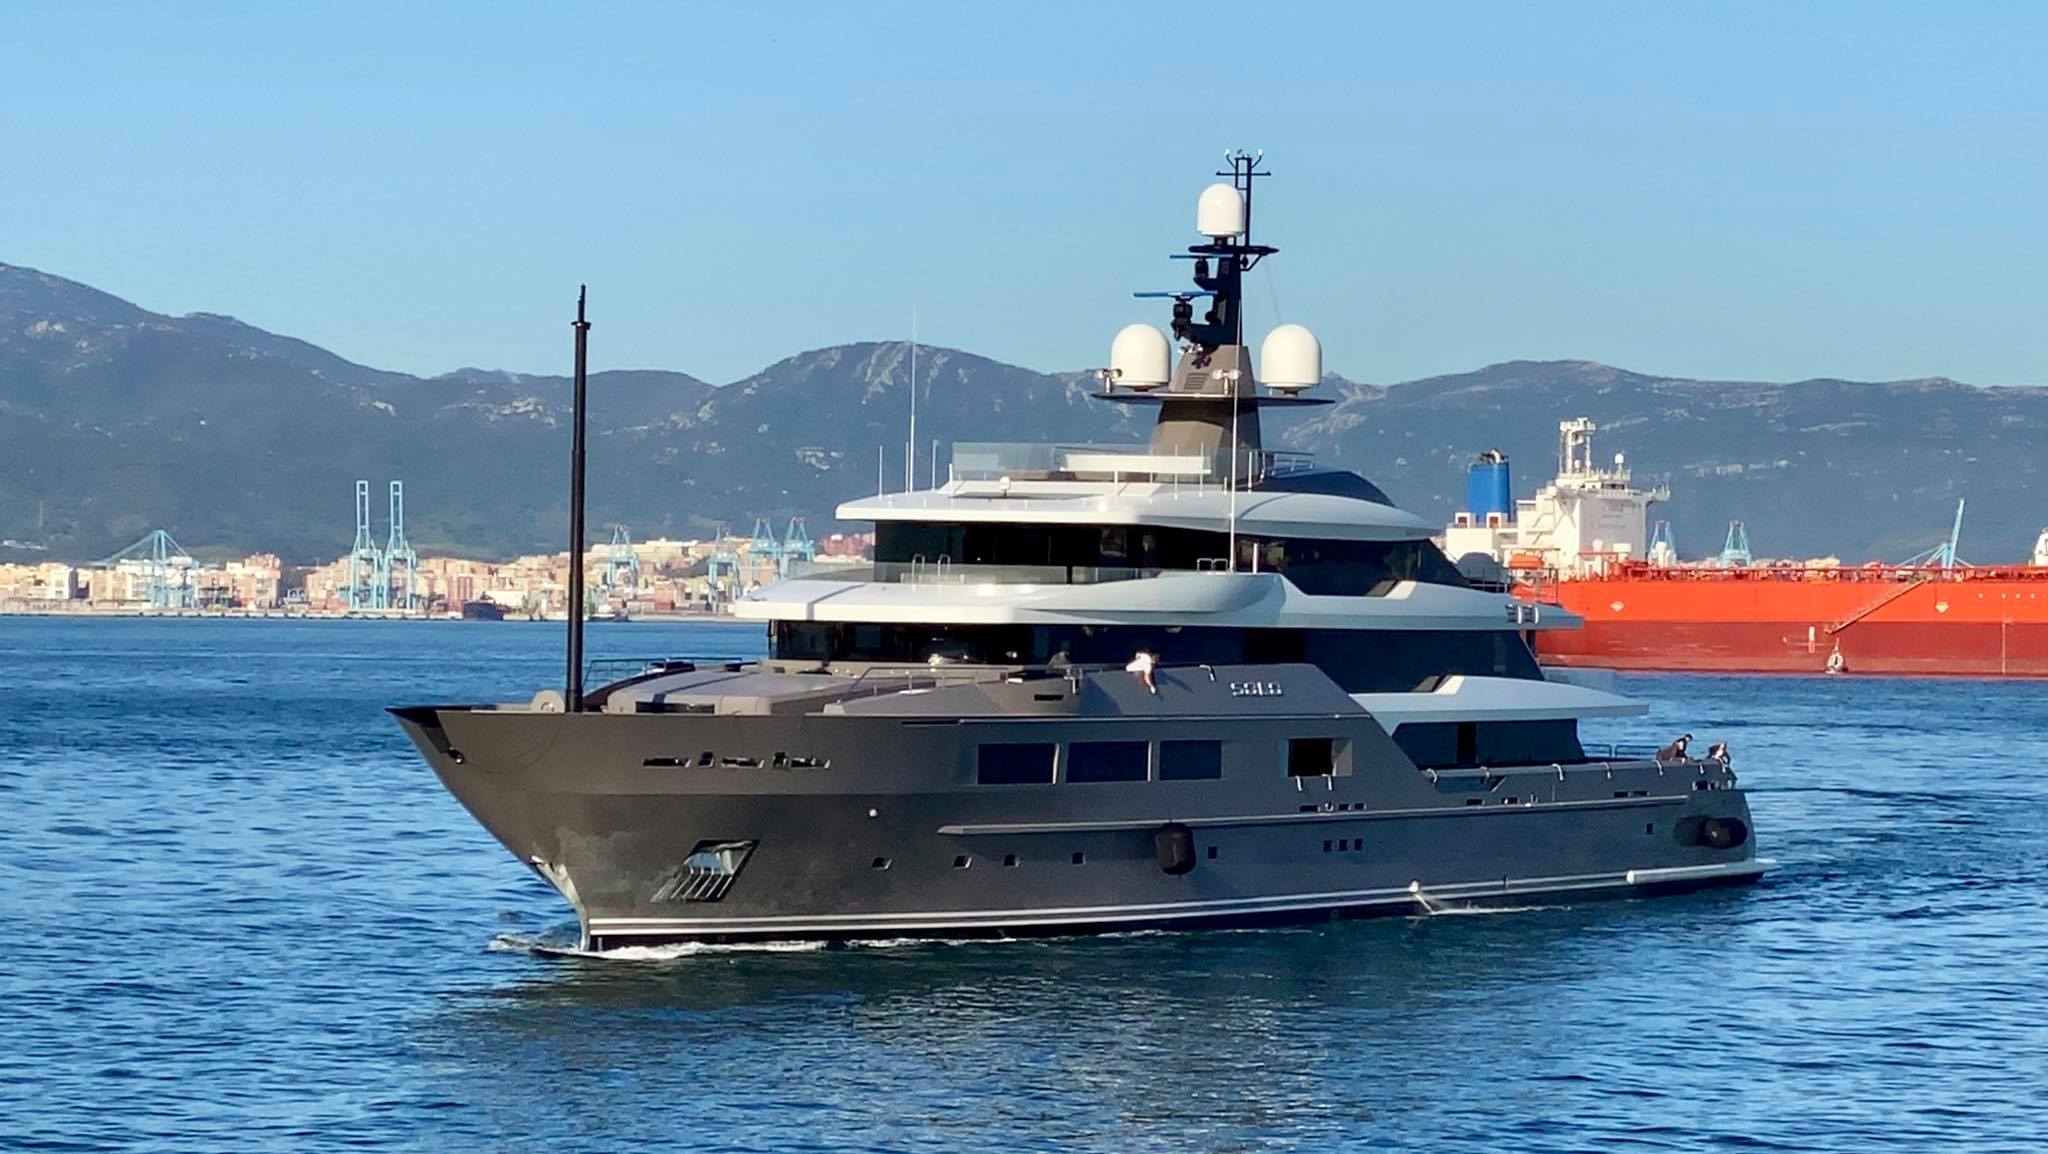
(1209, 403)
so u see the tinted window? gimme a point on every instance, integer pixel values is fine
(1361, 661)
(1443, 744)
(1190, 760)
(1089, 761)
(1348, 568)
(1356, 568)
(1019, 764)
(1311, 757)
(994, 543)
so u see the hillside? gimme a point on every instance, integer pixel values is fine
(115, 420)
(1812, 468)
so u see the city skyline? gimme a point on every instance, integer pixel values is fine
(1747, 192)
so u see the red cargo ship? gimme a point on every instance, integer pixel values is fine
(1581, 544)
(1962, 621)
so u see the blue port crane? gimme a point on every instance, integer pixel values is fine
(365, 560)
(1735, 553)
(722, 565)
(1663, 547)
(168, 565)
(764, 548)
(397, 575)
(621, 576)
(797, 547)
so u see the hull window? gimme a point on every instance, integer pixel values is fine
(1097, 761)
(1021, 763)
(1190, 760)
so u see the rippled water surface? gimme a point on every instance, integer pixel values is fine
(243, 916)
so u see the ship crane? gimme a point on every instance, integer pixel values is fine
(1943, 556)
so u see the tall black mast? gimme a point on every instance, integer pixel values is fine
(572, 692)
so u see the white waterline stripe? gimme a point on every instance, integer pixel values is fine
(1179, 910)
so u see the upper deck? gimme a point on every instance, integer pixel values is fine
(1277, 494)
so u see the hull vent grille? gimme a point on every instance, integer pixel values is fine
(707, 873)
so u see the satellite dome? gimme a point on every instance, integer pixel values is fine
(1219, 215)
(1140, 358)
(1291, 359)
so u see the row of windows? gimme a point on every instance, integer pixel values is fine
(1087, 762)
(1038, 762)
(1315, 565)
(1360, 661)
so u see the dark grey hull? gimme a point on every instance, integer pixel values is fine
(869, 824)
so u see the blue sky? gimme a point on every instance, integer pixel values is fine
(1750, 190)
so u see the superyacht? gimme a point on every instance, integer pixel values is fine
(1197, 682)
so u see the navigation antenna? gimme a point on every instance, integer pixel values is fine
(1243, 168)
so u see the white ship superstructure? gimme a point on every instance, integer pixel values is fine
(1585, 519)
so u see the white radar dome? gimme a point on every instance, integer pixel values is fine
(1140, 358)
(1291, 359)
(1220, 212)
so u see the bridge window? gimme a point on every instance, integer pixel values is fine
(1096, 761)
(1019, 763)
(1452, 744)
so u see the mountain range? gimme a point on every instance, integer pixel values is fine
(115, 420)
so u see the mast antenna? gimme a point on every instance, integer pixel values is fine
(572, 695)
(910, 443)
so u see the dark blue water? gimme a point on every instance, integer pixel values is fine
(241, 916)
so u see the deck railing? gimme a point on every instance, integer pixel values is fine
(1205, 467)
(943, 571)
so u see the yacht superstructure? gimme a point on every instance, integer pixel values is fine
(1084, 687)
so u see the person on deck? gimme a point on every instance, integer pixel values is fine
(1718, 752)
(1676, 750)
(1142, 665)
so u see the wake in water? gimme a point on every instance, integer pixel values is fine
(1434, 908)
(563, 943)
(548, 945)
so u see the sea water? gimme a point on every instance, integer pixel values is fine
(241, 914)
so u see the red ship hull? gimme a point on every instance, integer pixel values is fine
(1960, 623)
